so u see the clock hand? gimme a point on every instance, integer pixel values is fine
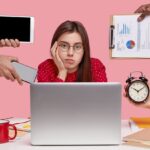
(141, 89)
(135, 89)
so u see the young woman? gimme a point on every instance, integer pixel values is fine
(71, 62)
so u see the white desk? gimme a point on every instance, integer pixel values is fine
(24, 144)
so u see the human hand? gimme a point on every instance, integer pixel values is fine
(9, 43)
(61, 68)
(146, 104)
(145, 10)
(143, 105)
(7, 70)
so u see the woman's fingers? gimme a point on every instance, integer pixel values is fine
(61, 65)
(53, 53)
(53, 49)
(57, 56)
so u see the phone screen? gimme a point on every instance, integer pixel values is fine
(15, 28)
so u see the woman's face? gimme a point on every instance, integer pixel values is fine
(70, 50)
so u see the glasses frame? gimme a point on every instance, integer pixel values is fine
(69, 46)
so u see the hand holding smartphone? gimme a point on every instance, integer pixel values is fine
(26, 73)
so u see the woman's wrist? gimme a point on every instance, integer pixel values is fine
(62, 75)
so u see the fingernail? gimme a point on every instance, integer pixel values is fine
(139, 19)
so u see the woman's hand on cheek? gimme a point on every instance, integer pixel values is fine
(61, 68)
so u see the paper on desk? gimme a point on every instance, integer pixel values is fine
(22, 124)
(142, 137)
(14, 120)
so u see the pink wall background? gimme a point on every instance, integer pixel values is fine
(94, 14)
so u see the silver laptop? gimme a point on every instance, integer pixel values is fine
(75, 113)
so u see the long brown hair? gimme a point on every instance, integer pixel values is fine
(84, 70)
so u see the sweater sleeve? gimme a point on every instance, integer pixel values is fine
(47, 72)
(98, 71)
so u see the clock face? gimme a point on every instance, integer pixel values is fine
(138, 91)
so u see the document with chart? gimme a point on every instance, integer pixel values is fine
(129, 38)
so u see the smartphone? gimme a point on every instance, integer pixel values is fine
(17, 27)
(26, 73)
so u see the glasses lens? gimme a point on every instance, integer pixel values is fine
(64, 46)
(78, 47)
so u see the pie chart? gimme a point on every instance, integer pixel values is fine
(130, 44)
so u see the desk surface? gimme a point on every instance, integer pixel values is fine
(24, 144)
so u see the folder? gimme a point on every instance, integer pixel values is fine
(143, 122)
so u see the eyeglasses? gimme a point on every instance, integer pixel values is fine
(64, 46)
